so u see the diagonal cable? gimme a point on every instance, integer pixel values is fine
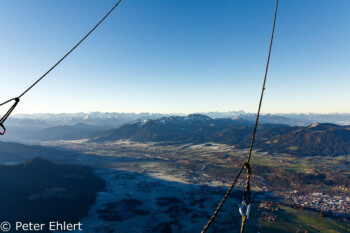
(53, 67)
(246, 165)
(7, 114)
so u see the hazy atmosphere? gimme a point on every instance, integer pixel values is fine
(176, 56)
(152, 124)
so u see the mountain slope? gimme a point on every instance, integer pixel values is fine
(193, 128)
(69, 132)
(11, 153)
(316, 139)
(61, 132)
(41, 191)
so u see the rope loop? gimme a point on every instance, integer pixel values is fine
(7, 114)
(3, 119)
(246, 196)
(244, 208)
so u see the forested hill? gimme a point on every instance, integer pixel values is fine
(316, 139)
(31, 190)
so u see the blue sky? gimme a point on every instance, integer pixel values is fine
(176, 56)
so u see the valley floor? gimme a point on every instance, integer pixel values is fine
(175, 188)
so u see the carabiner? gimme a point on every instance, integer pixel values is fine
(244, 207)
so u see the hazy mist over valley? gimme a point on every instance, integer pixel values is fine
(123, 116)
(173, 169)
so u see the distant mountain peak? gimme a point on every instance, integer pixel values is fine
(199, 117)
(313, 125)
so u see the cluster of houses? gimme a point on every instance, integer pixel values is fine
(332, 205)
(266, 211)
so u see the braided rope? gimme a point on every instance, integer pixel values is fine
(246, 165)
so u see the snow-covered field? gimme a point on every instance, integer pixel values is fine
(156, 202)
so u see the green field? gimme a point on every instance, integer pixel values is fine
(295, 220)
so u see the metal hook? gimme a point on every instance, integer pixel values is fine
(244, 207)
(7, 114)
(3, 129)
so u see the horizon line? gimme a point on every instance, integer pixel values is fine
(160, 113)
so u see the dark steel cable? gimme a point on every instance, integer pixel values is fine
(7, 114)
(206, 227)
(53, 67)
(70, 50)
(263, 87)
(7, 101)
(246, 165)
